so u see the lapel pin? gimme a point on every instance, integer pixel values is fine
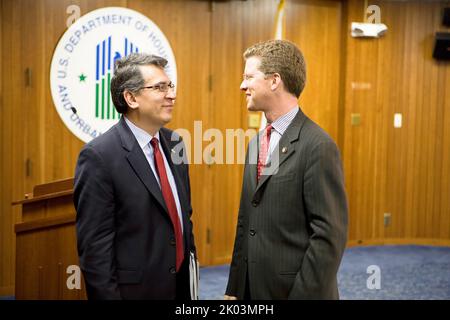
(284, 150)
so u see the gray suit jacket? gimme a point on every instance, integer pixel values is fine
(292, 225)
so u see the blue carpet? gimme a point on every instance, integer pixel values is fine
(213, 282)
(406, 272)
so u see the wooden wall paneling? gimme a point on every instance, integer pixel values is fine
(358, 161)
(235, 26)
(17, 107)
(12, 141)
(2, 176)
(427, 112)
(420, 72)
(444, 94)
(348, 145)
(60, 145)
(258, 21)
(435, 105)
(389, 100)
(258, 25)
(48, 264)
(1, 106)
(6, 230)
(411, 75)
(410, 163)
(186, 24)
(422, 126)
(444, 221)
(31, 109)
(226, 113)
(437, 111)
(441, 219)
(427, 121)
(342, 80)
(360, 142)
(421, 120)
(315, 27)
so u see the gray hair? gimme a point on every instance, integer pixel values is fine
(128, 76)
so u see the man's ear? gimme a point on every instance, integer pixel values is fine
(276, 81)
(130, 98)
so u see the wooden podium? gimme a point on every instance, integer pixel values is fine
(46, 251)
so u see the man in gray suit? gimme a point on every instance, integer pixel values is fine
(292, 224)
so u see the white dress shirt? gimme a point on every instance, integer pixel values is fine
(144, 139)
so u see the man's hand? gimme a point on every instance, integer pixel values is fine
(225, 297)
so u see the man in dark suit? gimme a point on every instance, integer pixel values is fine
(292, 223)
(133, 202)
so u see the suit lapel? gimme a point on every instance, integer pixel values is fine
(139, 163)
(284, 149)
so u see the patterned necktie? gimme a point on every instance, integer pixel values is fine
(170, 201)
(263, 150)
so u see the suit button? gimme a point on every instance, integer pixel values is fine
(245, 259)
(255, 203)
(252, 232)
(172, 241)
(173, 270)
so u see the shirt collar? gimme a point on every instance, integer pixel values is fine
(142, 136)
(282, 123)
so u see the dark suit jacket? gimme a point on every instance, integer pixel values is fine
(292, 225)
(126, 241)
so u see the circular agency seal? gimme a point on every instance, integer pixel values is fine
(83, 64)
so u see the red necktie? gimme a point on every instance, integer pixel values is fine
(263, 150)
(170, 201)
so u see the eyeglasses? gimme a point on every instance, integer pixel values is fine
(162, 87)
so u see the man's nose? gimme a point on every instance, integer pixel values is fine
(243, 85)
(171, 94)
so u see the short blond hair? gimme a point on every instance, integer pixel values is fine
(282, 57)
